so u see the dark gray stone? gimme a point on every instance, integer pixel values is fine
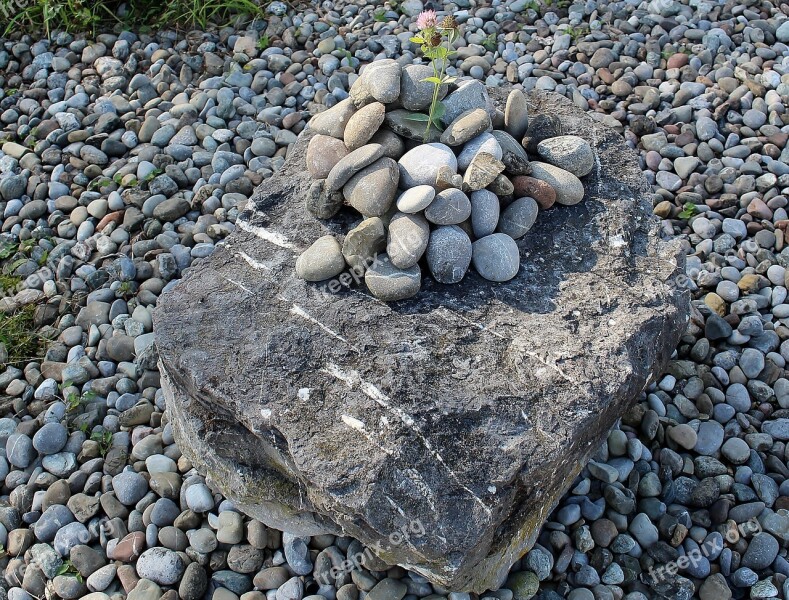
(394, 416)
(449, 253)
(496, 257)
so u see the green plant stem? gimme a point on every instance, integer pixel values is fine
(437, 86)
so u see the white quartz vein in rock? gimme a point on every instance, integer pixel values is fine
(252, 262)
(358, 425)
(264, 234)
(550, 365)
(300, 312)
(239, 285)
(352, 378)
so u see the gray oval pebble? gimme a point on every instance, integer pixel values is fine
(449, 207)
(449, 254)
(519, 217)
(496, 257)
(323, 260)
(388, 283)
(485, 210)
(408, 238)
(416, 198)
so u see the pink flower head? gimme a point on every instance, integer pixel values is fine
(427, 18)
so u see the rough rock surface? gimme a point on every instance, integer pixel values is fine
(459, 416)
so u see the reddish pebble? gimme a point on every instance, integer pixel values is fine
(758, 209)
(128, 577)
(779, 139)
(130, 547)
(113, 217)
(653, 159)
(291, 119)
(543, 193)
(677, 61)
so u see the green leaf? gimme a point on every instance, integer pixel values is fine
(688, 210)
(17, 263)
(438, 110)
(418, 39)
(437, 124)
(429, 52)
(448, 79)
(433, 79)
(7, 249)
(418, 117)
(62, 569)
(442, 52)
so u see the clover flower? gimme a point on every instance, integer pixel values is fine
(426, 19)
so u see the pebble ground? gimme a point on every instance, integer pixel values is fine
(127, 157)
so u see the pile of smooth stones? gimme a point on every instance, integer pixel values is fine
(441, 200)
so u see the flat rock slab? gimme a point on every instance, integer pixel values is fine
(442, 430)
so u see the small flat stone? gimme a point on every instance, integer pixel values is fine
(448, 253)
(568, 152)
(761, 552)
(449, 207)
(420, 165)
(351, 164)
(160, 565)
(485, 142)
(323, 153)
(416, 199)
(372, 190)
(496, 257)
(736, 451)
(482, 171)
(542, 192)
(466, 127)
(129, 487)
(516, 115)
(323, 260)
(388, 589)
(485, 209)
(569, 189)
(408, 239)
(50, 439)
(388, 283)
(363, 243)
(400, 121)
(363, 125)
(683, 435)
(519, 217)
(332, 122)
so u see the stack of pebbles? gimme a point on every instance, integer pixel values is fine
(441, 200)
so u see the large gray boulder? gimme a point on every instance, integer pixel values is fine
(439, 431)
